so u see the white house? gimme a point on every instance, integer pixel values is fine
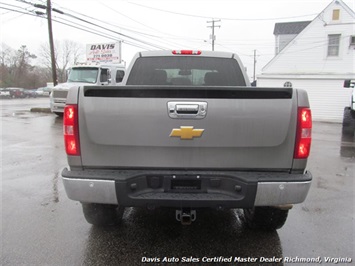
(318, 59)
(286, 32)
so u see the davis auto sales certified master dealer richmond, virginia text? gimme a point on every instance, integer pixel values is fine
(231, 259)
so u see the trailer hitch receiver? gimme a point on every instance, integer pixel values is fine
(185, 216)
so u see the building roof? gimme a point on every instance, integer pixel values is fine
(290, 27)
(270, 67)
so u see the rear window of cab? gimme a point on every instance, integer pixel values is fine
(186, 70)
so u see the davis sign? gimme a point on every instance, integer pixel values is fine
(103, 52)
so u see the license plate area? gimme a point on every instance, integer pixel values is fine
(185, 185)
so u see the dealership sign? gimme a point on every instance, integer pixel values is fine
(103, 52)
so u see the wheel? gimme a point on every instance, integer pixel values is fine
(59, 114)
(102, 214)
(348, 128)
(265, 218)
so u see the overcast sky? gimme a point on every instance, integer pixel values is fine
(245, 25)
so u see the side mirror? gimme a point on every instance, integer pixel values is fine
(348, 83)
(104, 76)
(119, 76)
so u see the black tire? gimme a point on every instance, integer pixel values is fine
(348, 128)
(265, 218)
(102, 214)
(59, 114)
(352, 113)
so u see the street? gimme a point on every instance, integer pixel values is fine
(41, 226)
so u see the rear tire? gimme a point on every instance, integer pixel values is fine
(348, 128)
(265, 218)
(102, 214)
(59, 114)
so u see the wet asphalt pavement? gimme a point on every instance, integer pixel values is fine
(41, 226)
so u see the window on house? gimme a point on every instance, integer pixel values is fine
(336, 14)
(288, 84)
(333, 44)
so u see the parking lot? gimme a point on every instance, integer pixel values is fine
(41, 226)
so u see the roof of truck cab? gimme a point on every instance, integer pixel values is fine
(170, 53)
(98, 65)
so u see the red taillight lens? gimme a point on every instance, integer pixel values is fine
(186, 52)
(304, 133)
(71, 130)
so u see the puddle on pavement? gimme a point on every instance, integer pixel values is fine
(14, 114)
(23, 114)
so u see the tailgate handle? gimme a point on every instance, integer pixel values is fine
(187, 110)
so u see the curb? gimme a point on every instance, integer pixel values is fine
(40, 110)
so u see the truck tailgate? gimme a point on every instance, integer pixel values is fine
(184, 128)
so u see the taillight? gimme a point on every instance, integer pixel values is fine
(304, 133)
(186, 52)
(71, 130)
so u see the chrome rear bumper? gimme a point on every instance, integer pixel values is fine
(133, 189)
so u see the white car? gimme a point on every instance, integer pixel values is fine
(4, 93)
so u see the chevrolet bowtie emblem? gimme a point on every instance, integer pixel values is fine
(186, 132)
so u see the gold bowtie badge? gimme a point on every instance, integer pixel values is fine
(186, 132)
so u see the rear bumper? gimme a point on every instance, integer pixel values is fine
(57, 104)
(192, 189)
(57, 107)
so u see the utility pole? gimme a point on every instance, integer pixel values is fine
(51, 43)
(254, 65)
(213, 37)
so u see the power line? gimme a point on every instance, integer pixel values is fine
(98, 33)
(223, 18)
(10, 10)
(85, 29)
(143, 34)
(134, 20)
(147, 35)
(96, 25)
(138, 32)
(121, 34)
(321, 42)
(95, 32)
(17, 11)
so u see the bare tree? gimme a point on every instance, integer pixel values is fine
(6, 55)
(66, 53)
(23, 67)
(6, 59)
(16, 68)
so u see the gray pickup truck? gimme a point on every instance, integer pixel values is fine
(187, 131)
